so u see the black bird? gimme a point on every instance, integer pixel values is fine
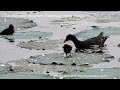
(8, 31)
(78, 44)
(87, 44)
(99, 40)
(67, 49)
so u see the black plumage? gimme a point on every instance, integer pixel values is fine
(99, 40)
(67, 49)
(8, 31)
(87, 44)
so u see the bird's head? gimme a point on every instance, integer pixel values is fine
(11, 26)
(69, 37)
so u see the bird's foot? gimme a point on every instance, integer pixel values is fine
(68, 56)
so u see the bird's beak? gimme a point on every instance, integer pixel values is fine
(65, 40)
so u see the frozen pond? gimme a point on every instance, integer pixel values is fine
(37, 52)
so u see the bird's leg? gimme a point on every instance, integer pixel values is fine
(70, 54)
(66, 54)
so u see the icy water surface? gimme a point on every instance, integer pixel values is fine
(30, 35)
(25, 75)
(95, 32)
(102, 73)
(19, 23)
(5, 67)
(77, 58)
(42, 44)
(72, 67)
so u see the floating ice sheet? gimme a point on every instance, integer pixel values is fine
(30, 35)
(102, 73)
(77, 58)
(95, 32)
(25, 75)
(18, 23)
(5, 67)
(42, 44)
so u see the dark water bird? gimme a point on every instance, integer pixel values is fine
(99, 40)
(8, 31)
(67, 49)
(77, 43)
(87, 44)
